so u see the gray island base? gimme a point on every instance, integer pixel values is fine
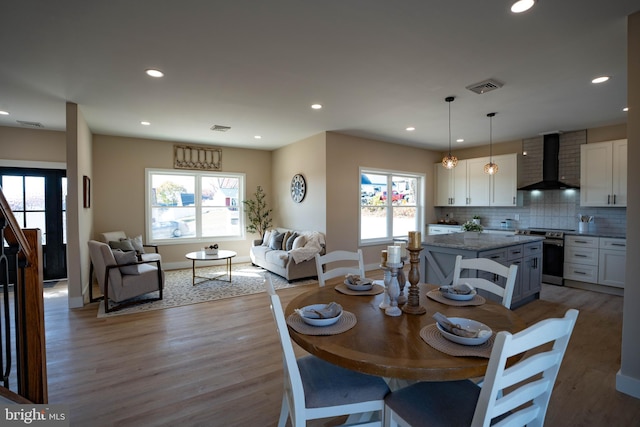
(440, 251)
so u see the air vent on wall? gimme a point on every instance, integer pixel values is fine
(485, 86)
(30, 124)
(220, 128)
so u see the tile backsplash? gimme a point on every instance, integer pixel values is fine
(544, 209)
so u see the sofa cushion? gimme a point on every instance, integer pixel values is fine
(275, 242)
(266, 238)
(299, 242)
(286, 236)
(126, 258)
(278, 258)
(290, 240)
(259, 252)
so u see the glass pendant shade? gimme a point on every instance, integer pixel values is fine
(449, 161)
(491, 168)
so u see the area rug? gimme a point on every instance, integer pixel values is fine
(178, 289)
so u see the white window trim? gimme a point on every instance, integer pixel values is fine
(420, 197)
(148, 211)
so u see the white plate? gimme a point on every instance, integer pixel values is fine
(319, 322)
(460, 297)
(466, 324)
(367, 285)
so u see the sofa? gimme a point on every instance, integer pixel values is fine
(288, 253)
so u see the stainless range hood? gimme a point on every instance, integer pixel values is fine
(550, 166)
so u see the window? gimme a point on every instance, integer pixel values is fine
(390, 205)
(193, 206)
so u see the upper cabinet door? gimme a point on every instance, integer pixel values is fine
(478, 182)
(504, 184)
(444, 185)
(603, 174)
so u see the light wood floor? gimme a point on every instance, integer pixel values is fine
(219, 363)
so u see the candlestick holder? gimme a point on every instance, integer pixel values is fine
(402, 281)
(412, 306)
(387, 280)
(394, 291)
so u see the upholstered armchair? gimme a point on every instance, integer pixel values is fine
(121, 277)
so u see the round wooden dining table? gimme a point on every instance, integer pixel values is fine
(391, 346)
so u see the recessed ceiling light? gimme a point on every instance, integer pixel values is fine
(411, 128)
(522, 6)
(154, 73)
(145, 123)
(316, 106)
(625, 109)
(4, 113)
(600, 79)
(257, 137)
(459, 140)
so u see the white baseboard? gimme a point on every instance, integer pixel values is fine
(628, 385)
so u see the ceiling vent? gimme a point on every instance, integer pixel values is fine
(485, 86)
(220, 128)
(30, 124)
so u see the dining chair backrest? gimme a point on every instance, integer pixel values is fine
(354, 259)
(507, 390)
(487, 265)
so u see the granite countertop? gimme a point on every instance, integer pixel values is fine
(486, 241)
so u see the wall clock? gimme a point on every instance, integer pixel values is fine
(298, 188)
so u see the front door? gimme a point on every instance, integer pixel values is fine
(38, 200)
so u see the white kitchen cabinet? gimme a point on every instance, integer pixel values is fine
(603, 174)
(464, 185)
(612, 262)
(581, 258)
(504, 184)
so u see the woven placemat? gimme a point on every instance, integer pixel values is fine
(432, 336)
(345, 322)
(436, 295)
(375, 290)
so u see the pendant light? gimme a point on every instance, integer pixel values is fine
(449, 161)
(491, 168)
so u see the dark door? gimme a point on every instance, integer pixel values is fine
(38, 200)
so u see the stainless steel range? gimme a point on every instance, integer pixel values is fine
(552, 253)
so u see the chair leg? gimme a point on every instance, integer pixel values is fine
(284, 412)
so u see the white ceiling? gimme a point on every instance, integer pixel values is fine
(377, 66)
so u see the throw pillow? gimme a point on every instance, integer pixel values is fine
(290, 241)
(275, 242)
(126, 258)
(267, 237)
(287, 234)
(137, 244)
(299, 242)
(124, 245)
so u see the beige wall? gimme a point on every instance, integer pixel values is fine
(345, 155)
(607, 133)
(628, 378)
(79, 219)
(45, 145)
(119, 165)
(307, 157)
(483, 150)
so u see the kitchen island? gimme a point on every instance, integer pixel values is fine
(439, 256)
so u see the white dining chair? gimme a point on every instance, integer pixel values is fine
(316, 389)
(331, 259)
(487, 265)
(510, 396)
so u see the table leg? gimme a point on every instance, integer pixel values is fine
(193, 272)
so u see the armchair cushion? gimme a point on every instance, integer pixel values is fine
(123, 245)
(127, 258)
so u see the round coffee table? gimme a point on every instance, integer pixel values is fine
(203, 256)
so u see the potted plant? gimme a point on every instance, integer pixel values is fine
(211, 249)
(258, 214)
(472, 230)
